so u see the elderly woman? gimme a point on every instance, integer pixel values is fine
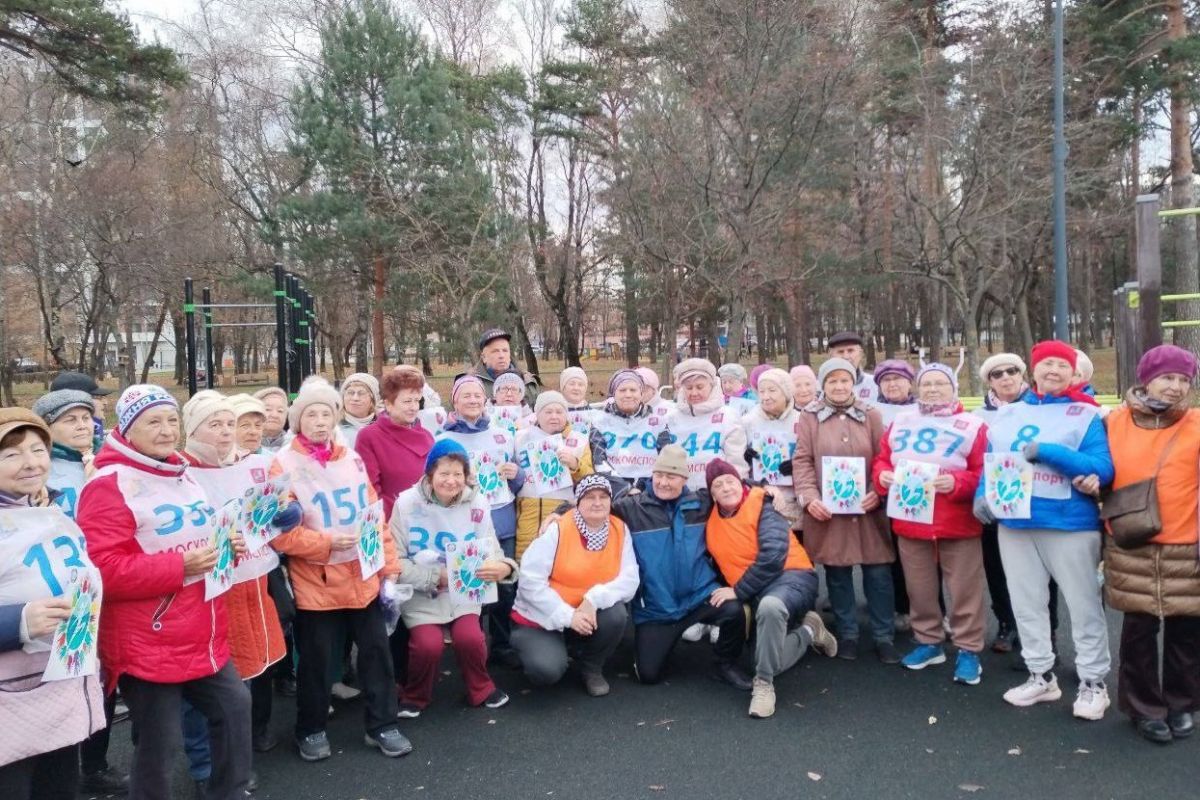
(804, 385)
(839, 425)
(275, 403)
(394, 447)
(333, 599)
(507, 408)
(1156, 434)
(763, 565)
(771, 441)
(44, 720)
(573, 383)
(895, 379)
(735, 385)
(360, 405)
(1058, 430)
(652, 393)
(940, 433)
(627, 433)
(445, 506)
(250, 419)
(576, 578)
(544, 491)
(702, 424)
(493, 453)
(149, 528)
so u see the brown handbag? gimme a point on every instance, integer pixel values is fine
(1132, 511)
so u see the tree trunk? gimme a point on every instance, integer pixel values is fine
(162, 318)
(632, 349)
(379, 284)
(1187, 269)
(793, 304)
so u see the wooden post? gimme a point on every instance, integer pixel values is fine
(1149, 274)
(1127, 321)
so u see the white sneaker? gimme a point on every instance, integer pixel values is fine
(1092, 700)
(714, 633)
(694, 633)
(762, 699)
(1035, 690)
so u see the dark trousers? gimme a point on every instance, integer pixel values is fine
(653, 642)
(398, 643)
(499, 613)
(317, 634)
(262, 700)
(155, 710)
(46, 776)
(1140, 694)
(93, 751)
(544, 653)
(997, 584)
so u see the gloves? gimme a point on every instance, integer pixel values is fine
(750, 454)
(664, 438)
(1030, 451)
(982, 511)
(289, 517)
(786, 467)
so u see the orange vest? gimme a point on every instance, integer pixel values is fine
(1135, 453)
(577, 569)
(733, 541)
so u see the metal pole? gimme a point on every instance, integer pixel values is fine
(294, 377)
(1061, 309)
(206, 297)
(281, 328)
(304, 343)
(189, 329)
(311, 319)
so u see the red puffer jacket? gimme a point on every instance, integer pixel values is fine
(151, 625)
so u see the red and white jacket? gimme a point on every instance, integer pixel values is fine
(138, 514)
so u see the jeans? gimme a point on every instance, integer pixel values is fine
(881, 601)
(195, 742)
(778, 645)
(655, 641)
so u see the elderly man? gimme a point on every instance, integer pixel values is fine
(679, 584)
(849, 345)
(495, 357)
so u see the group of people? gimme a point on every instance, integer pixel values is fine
(705, 514)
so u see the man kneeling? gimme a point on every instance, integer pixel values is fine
(575, 580)
(765, 566)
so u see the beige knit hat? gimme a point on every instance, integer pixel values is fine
(672, 460)
(313, 392)
(201, 406)
(244, 404)
(263, 394)
(369, 381)
(692, 367)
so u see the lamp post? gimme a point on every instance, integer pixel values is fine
(1061, 310)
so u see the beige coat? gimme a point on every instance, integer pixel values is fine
(847, 539)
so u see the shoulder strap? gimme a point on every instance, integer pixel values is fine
(1167, 450)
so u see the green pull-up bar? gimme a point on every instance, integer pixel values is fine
(1179, 212)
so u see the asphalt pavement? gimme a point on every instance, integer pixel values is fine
(842, 730)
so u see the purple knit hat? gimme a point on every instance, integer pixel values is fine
(895, 366)
(938, 367)
(1164, 359)
(756, 373)
(461, 381)
(621, 376)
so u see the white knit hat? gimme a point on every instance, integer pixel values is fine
(569, 373)
(1000, 360)
(313, 392)
(244, 404)
(369, 381)
(1084, 366)
(548, 399)
(201, 406)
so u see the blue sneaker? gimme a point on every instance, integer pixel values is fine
(923, 655)
(967, 668)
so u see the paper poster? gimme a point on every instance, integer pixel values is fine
(546, 469)
(843, 483)
(773, 450)
(912, 495)
(508, 417)
(463, 560)
(485, 466)
(219, 579)
(1007, 485)
(370, 540)
(73, 647)
(260, 504)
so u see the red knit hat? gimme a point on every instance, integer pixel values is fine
(1052, 348)
(715, 469)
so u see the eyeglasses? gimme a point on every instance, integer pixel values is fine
(1003, 371)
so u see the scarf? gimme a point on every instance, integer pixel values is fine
(1076, 393)
(947, 409)
(322, 453)
(992, 402)
(593, 540)
(207, 454)
(1154, 414)
(824, 408)
(357, 422)
(42, 499)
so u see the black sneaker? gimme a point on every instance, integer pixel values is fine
(847, 649)
(408, 711)
(314, 747)
(390, 742)
(104, 782)
(1005, 639)
(496, 699)
(735, 676)
(887, 652)
(264, 742)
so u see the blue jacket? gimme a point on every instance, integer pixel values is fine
(1079, 512)
(668, 541)
(504, 518)
(10, 627)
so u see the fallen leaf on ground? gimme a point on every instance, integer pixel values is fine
(929, 750)
(814, 776)
(932, 720)
(655, 787)
(1014, 751)
(970, 787)
(491, 722)
(663, 722)
(1080, 751)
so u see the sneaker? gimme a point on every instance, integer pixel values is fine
(1037, 689)
(408, 711)
(731, 673)
(390, 741)
(714, 633)
(594, 684)
(762, 699)
(1181, 723)
(1092, 700)
(1005, 639)
(823, 641)
(923, 655)
(264, 741)
(314, 747)
(902, 623)
(967, 668)
(252, 783)
(694, 633)
(847, 649)
(496, 699)
(106, 781)
(343, 692)
(887, 652)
